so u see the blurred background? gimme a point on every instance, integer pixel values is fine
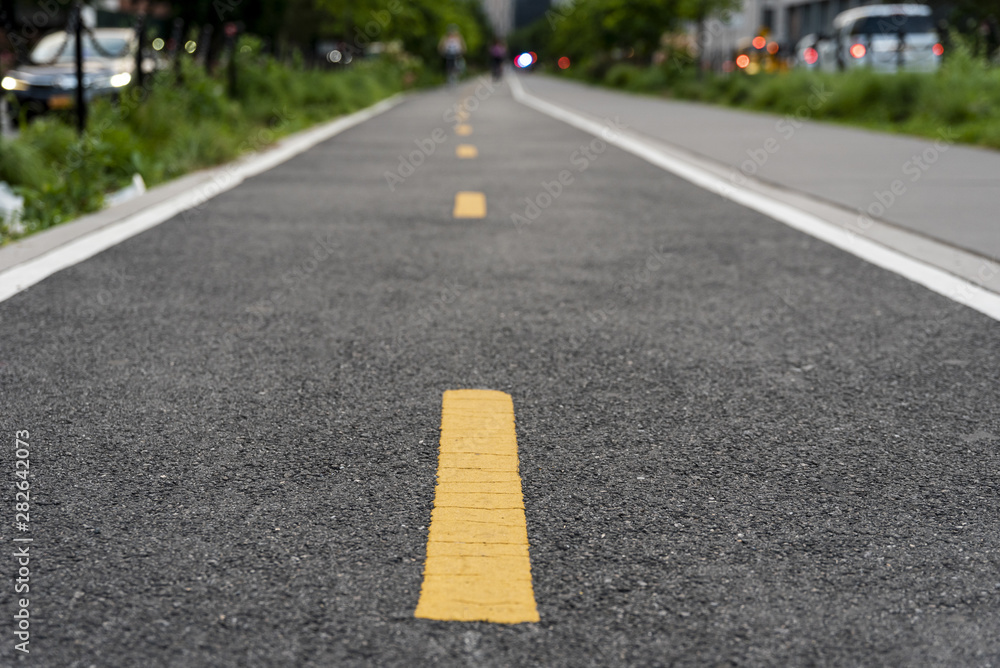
(158, 88)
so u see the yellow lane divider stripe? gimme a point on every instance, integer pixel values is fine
(470, 205)
(463, 130)
(478, 568)
(466, 151)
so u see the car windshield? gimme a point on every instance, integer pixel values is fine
(60, 48)
(890, 25)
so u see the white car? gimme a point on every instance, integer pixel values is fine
(885, 38)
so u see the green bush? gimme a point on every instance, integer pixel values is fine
(962, 96)
(23, 164)
(622, 75)
(181, 126)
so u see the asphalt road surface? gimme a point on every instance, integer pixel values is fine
(946, 191)
(738, 445)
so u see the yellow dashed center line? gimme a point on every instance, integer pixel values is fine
(466, 151)
(463, 130)
(470, 205)
(477, 566)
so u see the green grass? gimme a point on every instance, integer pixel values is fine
(961, 100)
(179, 127)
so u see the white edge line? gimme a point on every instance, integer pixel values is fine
(223, 178)
(938, 280)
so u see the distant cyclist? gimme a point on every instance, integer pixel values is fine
(452, 48)
(498, 54)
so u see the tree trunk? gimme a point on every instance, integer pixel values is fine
(700, 41)
(11, 25)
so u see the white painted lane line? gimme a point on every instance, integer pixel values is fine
(940, 281)
(226, 177)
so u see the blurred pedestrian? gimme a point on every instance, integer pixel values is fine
(452, 48)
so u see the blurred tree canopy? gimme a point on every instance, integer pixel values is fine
(588, 28)
(300, 24)
(979, 19)
(418, 24)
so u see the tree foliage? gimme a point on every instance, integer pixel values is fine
(979, 19)
(300, 24)
(588, 29)
(418, 24)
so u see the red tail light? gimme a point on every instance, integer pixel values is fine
(858, 50)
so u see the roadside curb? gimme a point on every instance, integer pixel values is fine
(30, 260)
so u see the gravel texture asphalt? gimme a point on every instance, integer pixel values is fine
(739, 446)
(942, 189)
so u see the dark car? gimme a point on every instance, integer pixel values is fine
(48, 81)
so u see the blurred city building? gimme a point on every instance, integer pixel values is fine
(506, 15)
(501, 15)
(529, 11)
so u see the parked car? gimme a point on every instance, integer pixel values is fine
(48, 80)
(885, 38)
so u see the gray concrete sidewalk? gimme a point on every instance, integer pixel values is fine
(936, 188)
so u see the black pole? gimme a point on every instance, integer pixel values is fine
(140, 34)
(81, 102)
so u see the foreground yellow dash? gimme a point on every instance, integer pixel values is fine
(470, 205)
(463, 130)
(466, 151)
(477, 567)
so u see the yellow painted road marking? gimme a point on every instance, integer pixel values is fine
(470, 205)
(466, 151)
(463, 130)
(477, 568)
